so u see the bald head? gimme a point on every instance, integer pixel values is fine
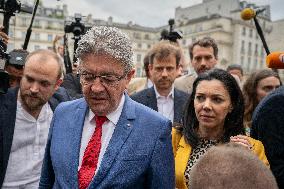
(45, 58)
(231, 166)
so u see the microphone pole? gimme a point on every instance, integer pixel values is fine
(260, 33)
(29, 31)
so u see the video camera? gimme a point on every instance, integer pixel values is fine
(77, 27)
(171, 35)
(15, 58)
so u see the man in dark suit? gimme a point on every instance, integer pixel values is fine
(25, 116)
(268, 127)
(163, 97)
(107, 140)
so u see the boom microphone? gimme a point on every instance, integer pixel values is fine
(249, 13)
(275, 60)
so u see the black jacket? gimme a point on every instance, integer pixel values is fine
(268, 127)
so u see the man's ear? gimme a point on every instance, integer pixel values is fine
(58, 83)
(129, 76)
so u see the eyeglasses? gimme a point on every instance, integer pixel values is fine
(108, 80)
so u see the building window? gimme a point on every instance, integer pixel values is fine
(184, 41)
(250, 32)
(199, 27)
(146, 37)
(249, 48)
(136, 35)
(23, 35)
(244, 31)
(49, 38)
(37, 24)
(193, 39)
(138, 72)
(255, 63)
(243, 47)
(148, 46)
(219, 7)
(36, 47)
(49, 25)
(256, 50)
(37, 36)
(24, 22)
(242, 60)
(139, 45)
(138, 57)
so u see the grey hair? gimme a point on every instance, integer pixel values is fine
(109, 40)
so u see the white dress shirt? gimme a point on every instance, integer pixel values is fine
(107, 131)
(166, 104)
(28, 147)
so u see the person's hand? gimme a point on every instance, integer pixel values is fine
(3, 36)
(242, 140)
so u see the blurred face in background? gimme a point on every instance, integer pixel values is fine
(164, 73)
(15, 75)
(236, 72)
(203, 59)
(265, 86)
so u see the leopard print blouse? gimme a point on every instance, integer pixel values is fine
(196, 154)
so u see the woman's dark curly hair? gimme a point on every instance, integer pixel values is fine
(233, 124)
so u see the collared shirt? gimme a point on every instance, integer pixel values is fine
(149, 83)
(28, 147)
(166, 104)
(107, 131)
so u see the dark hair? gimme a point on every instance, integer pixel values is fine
(234, 120)
(249, 92)
(146, 62)
(204, 42)
(235, 67)
(164, 49)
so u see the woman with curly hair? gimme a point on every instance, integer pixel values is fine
(213, 115)
(258, 85)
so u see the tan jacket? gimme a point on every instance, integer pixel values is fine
(184, 83)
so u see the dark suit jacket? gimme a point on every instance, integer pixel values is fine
(148, 98)
(8, 108)
(268, 127)
(139, 154)
(72, 84)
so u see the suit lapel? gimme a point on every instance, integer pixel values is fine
(152, 100)
(181, 159)
(178, 105)
(8, 125)
(120, 135)
(76, 134)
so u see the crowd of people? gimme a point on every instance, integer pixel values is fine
(98, 127)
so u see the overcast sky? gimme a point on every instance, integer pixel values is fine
(152, 13)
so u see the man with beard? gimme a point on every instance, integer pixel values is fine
(203, 55)
(107, 140)
(25, 117)
(163, 97)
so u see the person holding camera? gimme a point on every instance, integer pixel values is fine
(15, 66)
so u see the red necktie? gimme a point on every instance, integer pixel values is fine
(91, 155)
